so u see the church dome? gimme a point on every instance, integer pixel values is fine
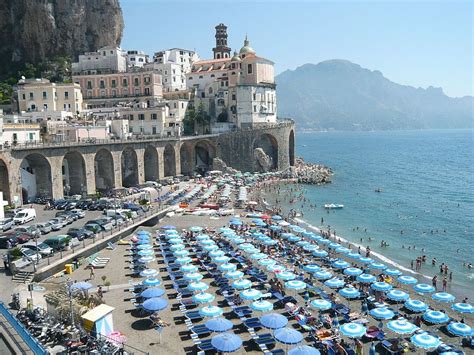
(246, 49)
(236, 58)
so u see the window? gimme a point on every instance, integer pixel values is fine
(15, 137)
(66, 95)
(102, 93)
(153, 130)
(114, 83)
(124, 82)
(147, 91)
(182, 104)
(31, 136)
(249, 68)
(254, 96)
(114, 93)
(23, 96)
(200, 76)
(137, 82)
(137, 91)
(89, 84)
(174, 71)
(166, 72)
(191, 78)
(174, 79)
(212, 75)
(140, 60)
(132, 59)
(146, 80)
(102, 84)
(154, 116)
(203, 94)
(233, 97)
(181, 52)
(130, 117)
(141, 116)
(45, 95)
(45, 107)
(175, 105)
(254, 108)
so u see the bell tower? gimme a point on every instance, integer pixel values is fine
(221, 50)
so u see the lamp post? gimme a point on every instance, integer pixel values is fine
(69, 284)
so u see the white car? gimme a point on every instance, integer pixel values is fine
(25, 215)
(43, 249)
(79, 213)
(31, 255)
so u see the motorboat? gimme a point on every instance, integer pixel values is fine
(332, 206)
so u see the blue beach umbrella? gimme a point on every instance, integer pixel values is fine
(275, 228)
(334, 245)
(216, 253)
(392, 272)
(341, 264)
(343, 250)
(238, 241)
(193, 276)
(184, 260)
(234, 275)
(310, 247)
(398, 295)
(203, 297)
(146, 259)
(144, 247)
(226, 342)
(304, 350)
(424, 288)
(195, 229)
(251, 294)
(227, 267)
(262, 306)
(266, 262)
(407, 280)
(202, 237)
(366, 278)
(349, 292)
(151, 281)
(353, 330)
(219, 325)
(175, 241)
(320, 304)
(143, 242)
(293, 239)
(416, 306)
(311, 268)
(377, 266)
(82, 285)
(155, 304)
(273, 321)
(400, 326)
(425, 341)
(381, 313)
(435, 317)
(286, 275)
(365, 260)
(320, 253)
(270, 242)
(298, 229)
(146, 252)
(198, 286)
(288, 336)
(381, 286)
(353, 255)
(324, 241)
(207, 242)
(148, 272)
(459, 329)
(334, 283)
(180, 253)
(209, 248)
(277, 217)
(176, 247)
(286, 235)
(276, 268)
(143, 233)
(295, 285)
(258, 256)
(463, 308)
(236, 223)
(352, 271)
(443, 297)
(302, 243)
(210, 311)
(152, 292)
(189, 268)
(241, 284)
(221, 259)
(322, 275)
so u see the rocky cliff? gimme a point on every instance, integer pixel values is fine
(34, 30)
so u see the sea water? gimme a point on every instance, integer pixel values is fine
(427, 198)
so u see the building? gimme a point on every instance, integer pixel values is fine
(221, 50)
(36, 95)
(136, 59)
(18, 130)
(105, 60)
(183, 57)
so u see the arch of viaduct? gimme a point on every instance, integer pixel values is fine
(87, 168)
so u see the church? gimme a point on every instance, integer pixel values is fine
(236, 91)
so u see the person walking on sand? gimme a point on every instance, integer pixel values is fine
(92, 273)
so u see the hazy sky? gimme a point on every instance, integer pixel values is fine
(416, 43)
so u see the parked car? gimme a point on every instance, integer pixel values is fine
(71, 205)
(60, 204)
(58, 242)
(6, 224)
(56, 224)
(45, 227)
(76, 233)
(8, 241)
(23, 237)
(33, 230)
(94, 227)
(24, 216)
(86, 232)
(79, 213)
(105, 223)
(84, 204)
(31, 255)
(43, 249)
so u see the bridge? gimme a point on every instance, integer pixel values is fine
(51, 170)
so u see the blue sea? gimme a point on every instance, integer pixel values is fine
(427, 178)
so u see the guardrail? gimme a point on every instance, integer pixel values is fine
(29, 340)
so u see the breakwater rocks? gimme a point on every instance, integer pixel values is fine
(306, 173)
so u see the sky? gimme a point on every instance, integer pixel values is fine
(417, 43)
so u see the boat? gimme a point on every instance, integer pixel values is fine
(332, 206)
(378, 189)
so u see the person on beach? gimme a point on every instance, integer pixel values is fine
(434, 281)
(445, 284)
(92, 273)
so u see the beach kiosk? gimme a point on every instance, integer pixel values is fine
(98, 321)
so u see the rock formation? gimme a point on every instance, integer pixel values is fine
(219, 164)
(307, 173)
(32, 31)
(263, 162)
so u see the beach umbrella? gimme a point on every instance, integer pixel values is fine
(294, 238)
(82, 285)
(377, 266)
(216, 253)
(381, 286)
(175, 241)
(152, 292)
(184, 260)
(262, 306)
(207, 242)
(424, 288)
(349, 292)
(311, 268)
(302, 243)
(324, 241)
(297, 229)
(398, 295)
(366, 278)
(219, 325)
(283, 223)
(334, 245)
(270, 242)
(144, 246)
(198, 286)
(241, 284)
(193, 276)
(381, 313)
(310, 247)
(320, 253)
(258, 234)
(459, 329)
(443, 297)
(343, 250)
(277, 217)
(365, 260)
(238, 241)
(353, 271)
(148, 272)
(273, 321)
(320, 304)
(425, 341)
(353, 330)
(322, 275)
(435, 317)
(195, 229)
(286, 235)
(210, 311)
(276, 268)
(221, 259)
(176, 247)
(143, 242)
(143, 233)
(151, 281)
(234, 275)
(416, 306)
(304, 350)
(295, 285)
(189, 268)
(146, 252)
(275, 228)
(146, 259)
(227, 267)
(226, 342)
(400, 326)
(286, 275)
(202, 237)
(258, 256)
(143, 237)
(167, 227)
(463, 308)
(266, 262)
(341, 264)
(236, 222)
(180, 253)
(155, 304)
(334, 283)
(353, 255)
(288, 336)
(251, 294)
(203, 297)
(392, 272)
(407, 280)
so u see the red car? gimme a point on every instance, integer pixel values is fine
(22, 237)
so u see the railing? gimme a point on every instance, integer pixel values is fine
(29, 340)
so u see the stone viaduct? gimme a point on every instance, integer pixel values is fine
(84, 168)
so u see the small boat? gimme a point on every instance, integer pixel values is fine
(332, 206)
(378, 189)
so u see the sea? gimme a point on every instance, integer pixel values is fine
(426, 203)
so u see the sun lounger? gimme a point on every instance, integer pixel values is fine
(193, 315)
(205, 345)
(252, 323)
(392, 346)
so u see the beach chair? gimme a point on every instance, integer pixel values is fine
(193, 315)
(252, 323)
(110, 246)
(205, 345)
(242, 311)
(265, 339)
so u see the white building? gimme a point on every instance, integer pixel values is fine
(136, 59)
(18, 130)
(183, 57)
(105, 60)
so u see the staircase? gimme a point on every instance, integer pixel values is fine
(23, 277)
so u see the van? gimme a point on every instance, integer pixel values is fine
(24, 216)
(121, 212)
(58, 242)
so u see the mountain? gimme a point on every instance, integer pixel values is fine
(32, 31)
(340, 95)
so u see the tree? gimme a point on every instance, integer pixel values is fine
(202, 118)
(223, 116)
(189, 120)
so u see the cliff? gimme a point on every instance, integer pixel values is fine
(34, 30)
